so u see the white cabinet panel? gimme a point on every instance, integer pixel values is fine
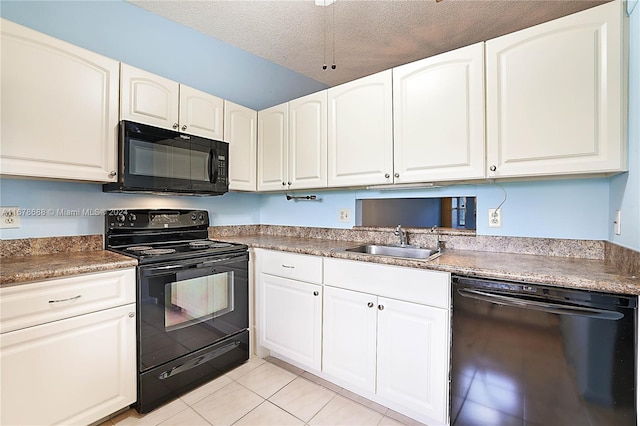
(307, 159)
(59, 108)
(349, 337)
(148, 98)
(556, 97)
(240, 129)
(27, 305)
(291, 319)
(300, 267)
(201, 114)
(439, 117)
(413, 350)
(273, 148)
(360, 138)
(72, 371)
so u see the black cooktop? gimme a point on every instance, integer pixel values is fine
(158, 235)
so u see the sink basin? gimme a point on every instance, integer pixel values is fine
(410, 252)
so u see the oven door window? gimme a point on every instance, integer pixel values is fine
(197, 300)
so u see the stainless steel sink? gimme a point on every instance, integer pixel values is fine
(411, 252)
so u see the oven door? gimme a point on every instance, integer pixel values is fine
(188, 305)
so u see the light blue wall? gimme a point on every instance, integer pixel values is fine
(137, 37)
(51, 206)
(546, 209)
(625, 189)
(579, 209)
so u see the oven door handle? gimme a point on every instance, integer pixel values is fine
(197, 361)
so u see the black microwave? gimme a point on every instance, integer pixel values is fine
(161, 161)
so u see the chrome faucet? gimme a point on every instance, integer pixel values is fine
(435, 229)
(399, 232)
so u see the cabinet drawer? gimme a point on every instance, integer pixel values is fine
(289, 265)
(40, 302)
(412, 285)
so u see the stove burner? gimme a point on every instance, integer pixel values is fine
(207, 244)
(158, 251)
(199, 244)
(139, 248)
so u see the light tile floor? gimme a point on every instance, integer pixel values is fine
(266, 392)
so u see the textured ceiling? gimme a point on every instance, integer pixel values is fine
(370, 35)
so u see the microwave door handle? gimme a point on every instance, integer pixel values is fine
(213, 166)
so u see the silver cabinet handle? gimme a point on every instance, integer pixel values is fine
(387, 175)
(370, 304)
(184, 127)
(315, 293)
(397, 175)
(289, 183)
(493, 168)
(132, 314)
(112, 174)
(284, 183)
(65, 300)
(288, 266)
(380, 307)
(175, 125)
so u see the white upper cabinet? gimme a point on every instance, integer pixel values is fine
(150, 99)
(556, 96)
(240, 132)
(201, 114)
(308, 141)
(360, 139)
(59, 108)
(292, 144)
(273, 147)
(438, 112)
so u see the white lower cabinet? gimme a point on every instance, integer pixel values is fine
(73, 370)
(386, 334)
(380, 331)
(290, 306)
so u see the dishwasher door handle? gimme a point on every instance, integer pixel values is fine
(553, 308)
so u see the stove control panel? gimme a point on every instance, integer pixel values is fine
(156, 219)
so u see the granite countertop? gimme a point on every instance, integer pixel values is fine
(22, 269)
(587, 274)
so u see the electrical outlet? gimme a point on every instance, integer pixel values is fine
(495, 218)
(9, 217)
(344, 215)
(616, 223)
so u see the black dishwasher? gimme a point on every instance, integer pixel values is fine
(529, 354)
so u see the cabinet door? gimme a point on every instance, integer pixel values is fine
(291, 319)
(72, 371)
(438, 109)
(413, 357)
(59, 108)
(308, 141)
(360, 139)
(148, 98)
(273, 140)
(555, 97)
(349, 337)
(201, 114)
(240, 131)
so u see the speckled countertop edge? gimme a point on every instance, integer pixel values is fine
(23, 269)
(586, 274)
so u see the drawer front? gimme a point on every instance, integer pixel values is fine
(412, 285)
(299, 267)
(40, 302)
